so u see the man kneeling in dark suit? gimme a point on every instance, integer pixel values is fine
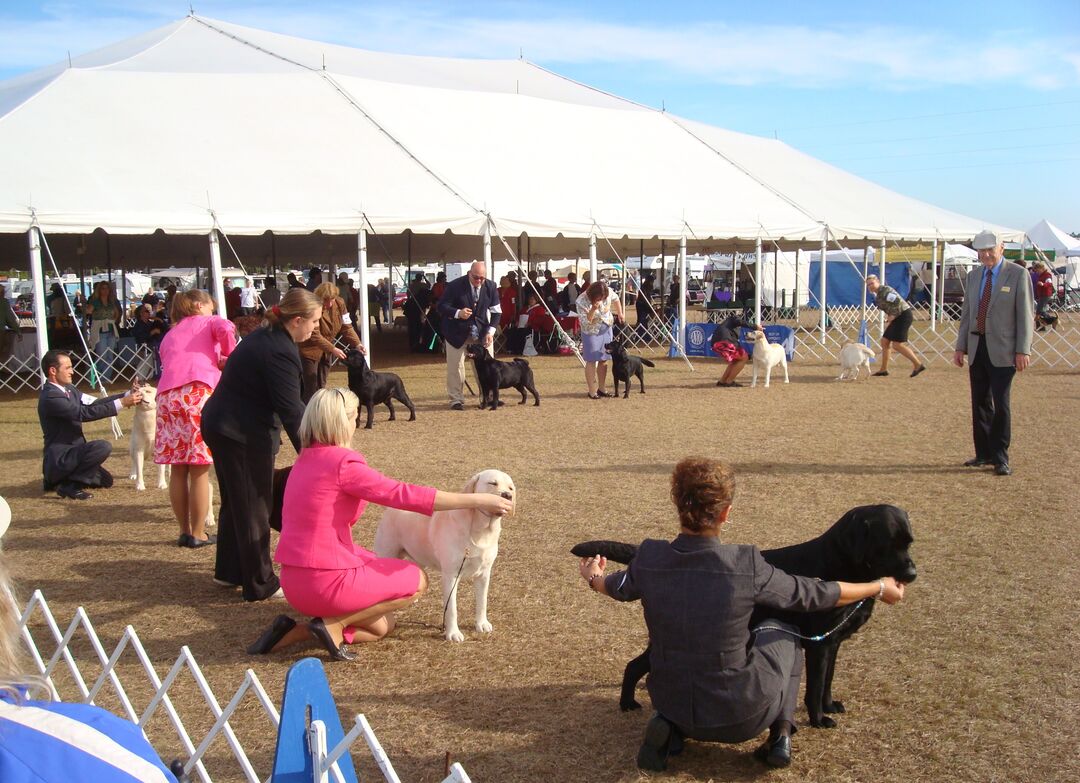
(69, 463)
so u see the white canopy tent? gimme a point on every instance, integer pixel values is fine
(204, 127)
(1046, 236)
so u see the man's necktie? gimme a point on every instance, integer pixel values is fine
(984, 304)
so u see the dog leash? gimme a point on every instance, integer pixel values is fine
(819, 637)
(457, 577)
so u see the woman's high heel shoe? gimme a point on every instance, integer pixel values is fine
(271, 636)
(322, 636)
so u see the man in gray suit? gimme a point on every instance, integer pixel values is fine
(995, 333)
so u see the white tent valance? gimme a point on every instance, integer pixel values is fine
(202, 123)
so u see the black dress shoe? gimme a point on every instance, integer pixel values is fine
(195, 543)
(1002, 469)
(73, 492)
(323, 637)
(775, 752)
(977, 462)
(656, 746)
(271, 636)
(47, 486)
(457, 406)
(183, 539)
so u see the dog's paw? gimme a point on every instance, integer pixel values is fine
(162, 485)
(133, 476)
(140, 487)
(483, 626)
(454, 635)
(628, 706)
(823, 723)
(833, 706)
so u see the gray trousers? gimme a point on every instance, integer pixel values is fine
(784, 653)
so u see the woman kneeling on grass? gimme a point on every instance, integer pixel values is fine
(711, 678)
(349, 591)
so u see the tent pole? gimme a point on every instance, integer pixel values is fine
(682, 288)
(273, 257)
(758, 281)
(881, 269)
(487, 246)
(798, 257)
(362, 285)
(408, 254)
(824, 272)
(40, 316)
(215, 272)
(663, 276)
(775, 278)
(592, 258)
(865, 272)
(933, 288)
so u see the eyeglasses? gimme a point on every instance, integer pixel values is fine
(477, 278)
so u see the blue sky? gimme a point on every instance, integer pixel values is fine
(971, 106)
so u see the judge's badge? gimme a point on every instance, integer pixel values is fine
(1005, 289)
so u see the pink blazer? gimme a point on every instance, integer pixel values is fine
(192, 349)
(328, 489)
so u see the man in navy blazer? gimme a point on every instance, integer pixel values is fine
(470, 312)
(69, 462)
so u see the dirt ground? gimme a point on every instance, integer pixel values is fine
(975, 677)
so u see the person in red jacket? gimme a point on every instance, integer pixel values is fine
(1044, 296)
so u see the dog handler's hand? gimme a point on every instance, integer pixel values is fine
(465, 313)
(131, 399)
(495, 505)
(894, 591)
(340, 354)
(958, 358)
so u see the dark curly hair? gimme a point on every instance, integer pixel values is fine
(700, 489)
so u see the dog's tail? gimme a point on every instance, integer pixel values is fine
(616, 551)
(519, 359)
(646, 362)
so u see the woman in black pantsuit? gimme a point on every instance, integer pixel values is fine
(261, 379)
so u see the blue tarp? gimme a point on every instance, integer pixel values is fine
(844, 285)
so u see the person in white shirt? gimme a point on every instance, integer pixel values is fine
(249, 298)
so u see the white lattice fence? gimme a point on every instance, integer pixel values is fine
(67, 679)
(120, 367)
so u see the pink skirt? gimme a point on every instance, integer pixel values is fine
(326, 592)
(179, 426)
(729, 352)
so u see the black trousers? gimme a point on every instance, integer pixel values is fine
(81, 467)
(991, 423)
(314, 377)
(245, 474)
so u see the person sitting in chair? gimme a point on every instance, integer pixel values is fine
(69, 462)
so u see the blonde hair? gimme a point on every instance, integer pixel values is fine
(329, 418)
(13, 681)
(187, 303)
(327, 290)
(701, 488)
(296, 303)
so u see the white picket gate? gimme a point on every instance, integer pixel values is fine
(324, 762)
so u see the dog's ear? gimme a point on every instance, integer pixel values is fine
(470, 485)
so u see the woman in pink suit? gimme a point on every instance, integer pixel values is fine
(348, 591)
(192, 354)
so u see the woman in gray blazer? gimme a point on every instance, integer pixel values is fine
(711, 677)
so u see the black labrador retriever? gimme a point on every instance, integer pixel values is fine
(494, 375)
(375, 388)
(865, 544)
(624, 365)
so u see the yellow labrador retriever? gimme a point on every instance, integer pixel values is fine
(461, 544)
(766, 356)
(143, 432)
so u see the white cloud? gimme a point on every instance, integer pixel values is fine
(738, 54)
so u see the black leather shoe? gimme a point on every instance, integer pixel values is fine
(271, 636)
(917, 370)
(655, 748)
(457, 406)
(47, 486)
(323, 637)
(775, 752)
(183, 539)
(1002, 469)
(977, 462)
(195, 543)
(73, 492)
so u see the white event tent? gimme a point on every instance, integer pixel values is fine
(207, 128)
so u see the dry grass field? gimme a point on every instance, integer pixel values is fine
(975, 677)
